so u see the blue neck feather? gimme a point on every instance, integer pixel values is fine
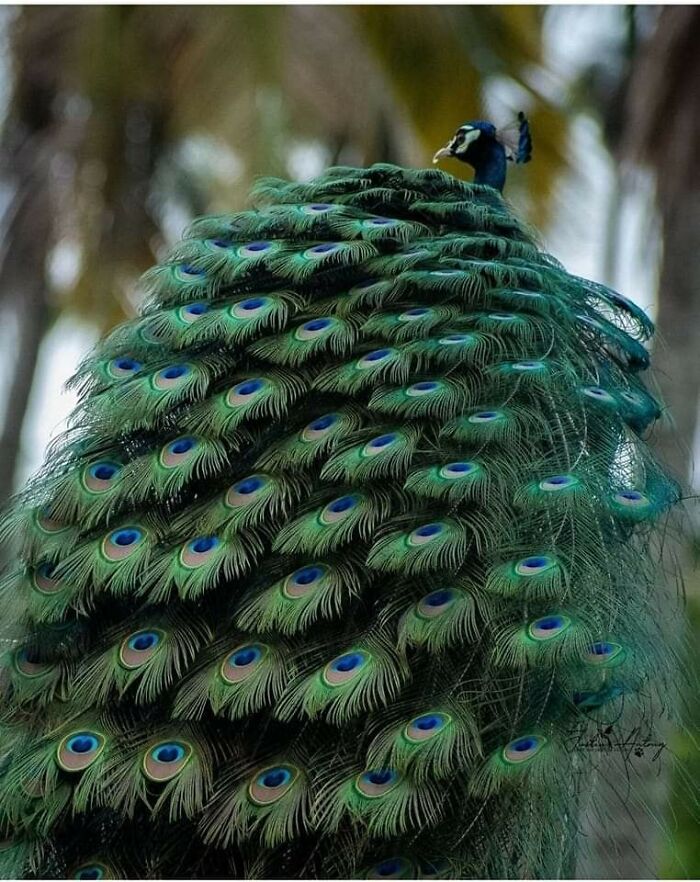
(489, 161)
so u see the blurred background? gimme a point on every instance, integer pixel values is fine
(121, 123)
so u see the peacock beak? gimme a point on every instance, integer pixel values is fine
(461, 141)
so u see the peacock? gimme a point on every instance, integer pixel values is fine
(352, 537)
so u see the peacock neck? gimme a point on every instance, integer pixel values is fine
(489, 163)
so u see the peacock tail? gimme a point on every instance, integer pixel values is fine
(352, 536)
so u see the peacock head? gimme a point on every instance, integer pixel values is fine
(480, 144)
(463, 144)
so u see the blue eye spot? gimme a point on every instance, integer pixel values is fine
(206, 543)
(104, 471)
(320, 206)
(257, 246)
(252, 303)
(127, 364)
(249, 485)
(169, 753)
(388, 868)
(535, 562)
(461, 467)
(276, 778)
(222, 243)
(427, 723)
(347, 662)
(182, 445)
(342, 504)
(602, 648)
(125, 537)
(190, 270)
(323, 249)
(429, 530)
(383, 440)
(439, 598)
(307, 575)
(323, 422)
(142, 642)
(633, 495)
(425, 386)
(175, 371)
(197, 309)
(316, 324)
(520, 745)
(380, 776)
(417, 311)
(82, 744)
(249, 387)
(245, 656)
(377, 355)
(550, 623)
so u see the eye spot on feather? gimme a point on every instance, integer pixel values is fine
(243, 662)
(43, 580)
(632, 499)
(375, 358)
(189, 273)
(79, 750)
(245, 391)
(92, 871)
(456, 339)
(140, 647)
(176, 453)
(379, 222)
(100, 476)
(415, 314)
(313, 329)
(254, 249)
(320, 427)
(317, 252)
(425, 387)
(528, 366)
(426, 726)
(121, 544)
(603, 653)
(26, 662)
(304, 581)
(425, 534)
(192, 312)
(47, 524)
(548, 627)
(455, 470)
(436, 603)
(339, 509)
(345, 667)
(393, 868)
(171, 377)
(250, 308)
(522, 749)
(380, 444)
(219, 244)
(376, 783)
(318, 208)
(269, 785)
(166, 759)
(597, 393)
(246, 491)
(535, 565)
(555, 483)
(486, 416)
(199, 551)
(120, 368)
